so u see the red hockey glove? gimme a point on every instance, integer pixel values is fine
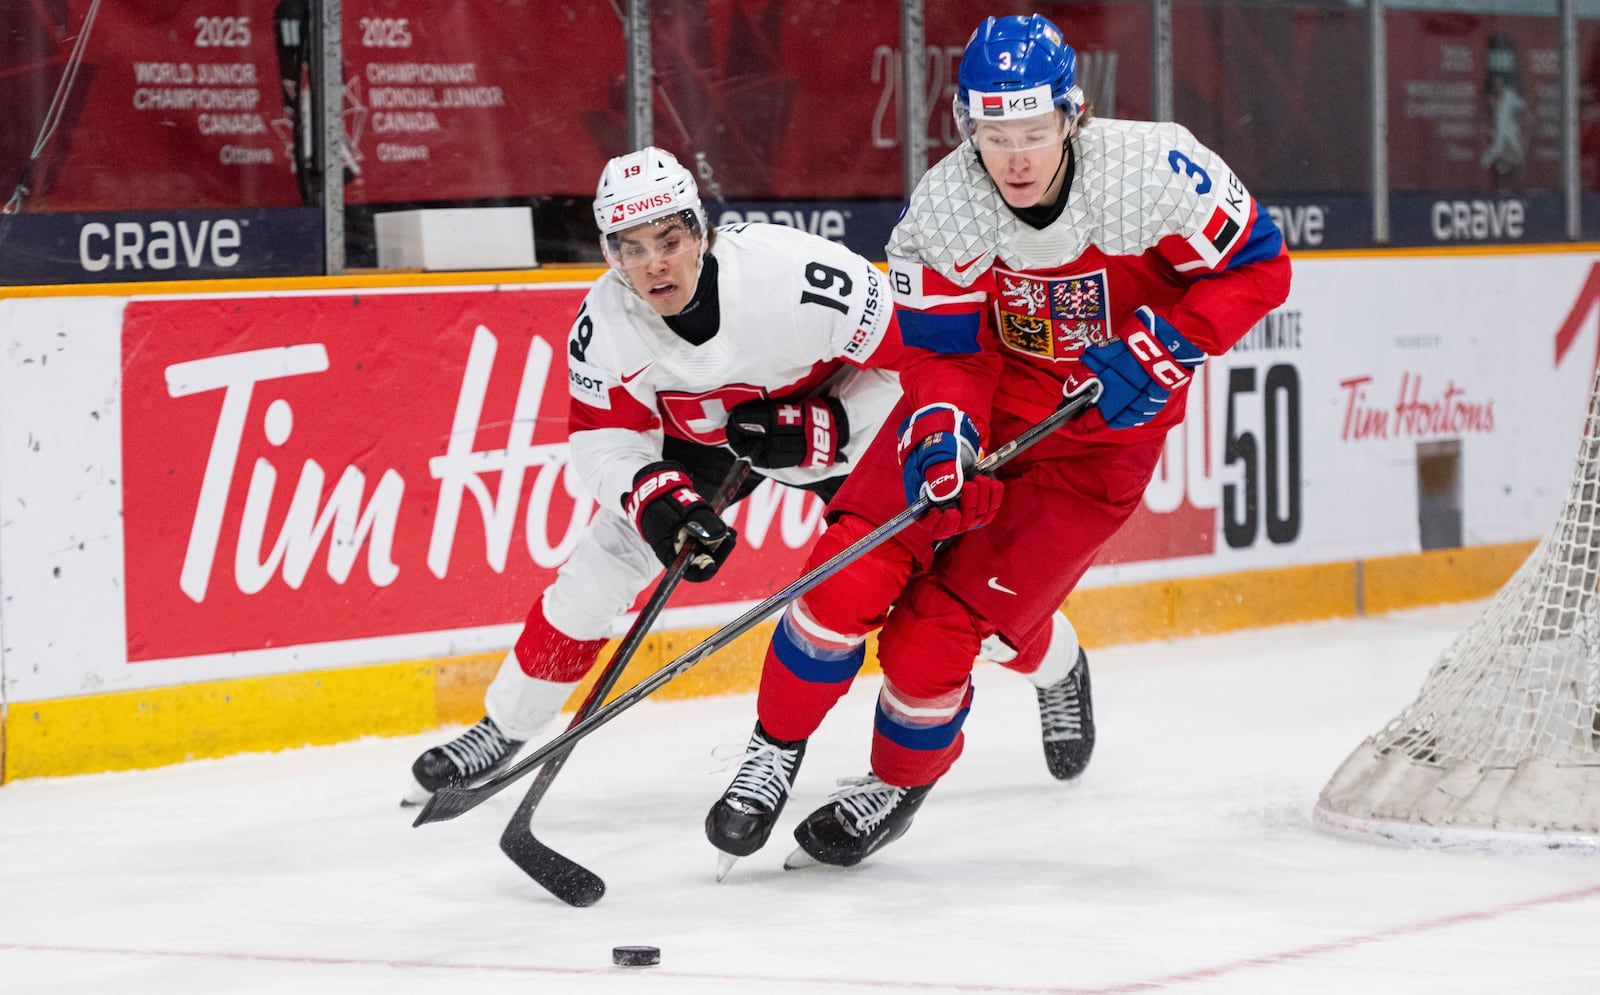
(668, 511)
(774, 434)
(1140, 370)
(938, 448)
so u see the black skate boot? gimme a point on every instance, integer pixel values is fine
(1066, 721)
(742, 819)
(861, 818)
(475, 754)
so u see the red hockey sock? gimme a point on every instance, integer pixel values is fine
(548, 654)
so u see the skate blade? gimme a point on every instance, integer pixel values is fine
(416, 795)
(799, 860)
(725, 862)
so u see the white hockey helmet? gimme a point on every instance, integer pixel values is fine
(649, 185)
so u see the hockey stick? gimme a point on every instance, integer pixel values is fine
(556, 873)
(450, 802)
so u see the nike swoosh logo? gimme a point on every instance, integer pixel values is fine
(963, 267)
(994, 582)
(631, 377)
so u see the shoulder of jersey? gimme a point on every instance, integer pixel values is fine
(954, 220)
(766, 235)
(1144, 162)
(613, 339)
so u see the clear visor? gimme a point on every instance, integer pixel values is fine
(660, 240)
(1019, 134)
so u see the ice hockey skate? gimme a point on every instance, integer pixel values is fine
(1066, 721)
(861, 818)
(475, 754)
(742, 819)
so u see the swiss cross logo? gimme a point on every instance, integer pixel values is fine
(1054, 319)
(633, 208)
(703, 418)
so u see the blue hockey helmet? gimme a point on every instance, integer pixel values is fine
(1016, 67)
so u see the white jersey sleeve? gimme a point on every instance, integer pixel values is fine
(613, 431)
(800, 316)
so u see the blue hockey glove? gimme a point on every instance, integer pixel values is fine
(1140, 370)
(938, 448)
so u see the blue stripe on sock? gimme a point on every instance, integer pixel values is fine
(920, 737)
(812, 663)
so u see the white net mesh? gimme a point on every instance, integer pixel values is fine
(1501, 748)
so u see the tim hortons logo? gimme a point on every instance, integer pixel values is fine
(350, 522)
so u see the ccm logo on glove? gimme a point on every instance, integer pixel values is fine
(938, 449)
(1170, 373)
(1139, 371)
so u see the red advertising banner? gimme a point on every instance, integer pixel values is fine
(190, 104)
(1474, 102)
(183, 103)
(307, 469)
(803, 99)
(452, 101)
(158, 105)
(327, 467)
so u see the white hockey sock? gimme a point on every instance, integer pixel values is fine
(521, 705)
(1059, 656)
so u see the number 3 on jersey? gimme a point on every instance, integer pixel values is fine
(1184, 166)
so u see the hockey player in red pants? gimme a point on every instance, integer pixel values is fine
(1047, 249)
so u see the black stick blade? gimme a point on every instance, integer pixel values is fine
(446, 803)
(560, 876)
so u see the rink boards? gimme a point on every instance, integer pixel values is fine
(257, 515)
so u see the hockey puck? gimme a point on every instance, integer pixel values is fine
(635, 956)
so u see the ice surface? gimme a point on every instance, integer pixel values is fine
(1183, 861)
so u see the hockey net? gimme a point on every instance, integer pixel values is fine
(1500, 751)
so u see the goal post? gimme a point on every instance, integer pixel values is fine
(1500, 751)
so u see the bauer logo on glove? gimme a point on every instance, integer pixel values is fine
(776, 434)
(668, 511)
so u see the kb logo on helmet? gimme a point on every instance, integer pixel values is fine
(1004, 105)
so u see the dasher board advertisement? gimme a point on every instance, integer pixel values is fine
(209, 486)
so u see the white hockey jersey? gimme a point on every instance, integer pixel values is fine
(801, 316)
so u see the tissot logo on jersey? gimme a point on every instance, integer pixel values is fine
(633, 208)
(1053, 319)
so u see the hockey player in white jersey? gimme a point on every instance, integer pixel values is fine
(697, 347)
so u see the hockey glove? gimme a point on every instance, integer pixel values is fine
(668, 511)
(1140, 370)
(938, 448)
(775, 434)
